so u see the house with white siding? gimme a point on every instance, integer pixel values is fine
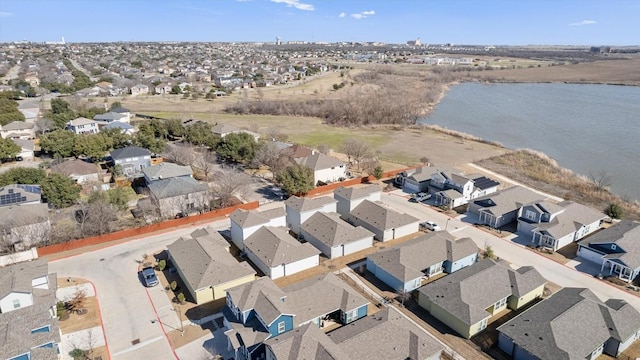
(325, 168)
(350, 197)
(385, 222)
(276, 253)
(83, 126)
(335, 237)
(555, 226)
(246, 222)
(299, 209)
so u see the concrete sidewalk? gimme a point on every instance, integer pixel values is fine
(66, 293)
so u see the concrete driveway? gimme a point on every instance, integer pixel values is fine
(135, 318)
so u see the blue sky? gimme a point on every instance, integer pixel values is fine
(486, 22)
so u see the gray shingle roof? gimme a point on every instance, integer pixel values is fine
(356, 192)
(380, 216)
(81, 121)
(385, 335)
(422, 174)
(507, 200)
(306, 342)
(249, 218)
(21, 215)
(571, 219)
(15, 194)
(110, 116)
(303, 204)
(224, 129)
(332, 231)
(168, 188)
(17, 277)
(262, 295)
(571, 324)
(626, 235)
(320, 161)
(204, 261)
(274, 246)
(17, 126)
(408, 260)
(129, 152)
(166, 170)
(468, 292)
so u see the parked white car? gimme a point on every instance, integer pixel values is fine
(420, 197)
(430, 225)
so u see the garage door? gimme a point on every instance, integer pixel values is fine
(589, 254)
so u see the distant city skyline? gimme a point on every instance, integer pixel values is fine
(468, 22)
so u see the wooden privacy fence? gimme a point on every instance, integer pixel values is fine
(143, 230)
(362, 180)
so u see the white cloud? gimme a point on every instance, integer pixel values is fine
(362, 15)
(342, 14)
(296, 4)
(4, 14)
(583, 22)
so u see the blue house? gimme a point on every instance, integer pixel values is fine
(405, 266)
(260, 310)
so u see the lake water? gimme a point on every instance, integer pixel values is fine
(586, 128)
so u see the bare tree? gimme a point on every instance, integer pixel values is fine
(183, 154)
(268, 154)
(205, 162)
(424, 160)
(276, 134)
(227, 184)
(356, 150)
(95, 218)
(601, 180)
(324, 148)
(77, 301)
(43, 125)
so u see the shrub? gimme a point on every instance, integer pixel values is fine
(77, 354)
(181, 298)
(174, 285)
(162, 264)
(614, 210)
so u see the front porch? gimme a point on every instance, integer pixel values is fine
(623, 272)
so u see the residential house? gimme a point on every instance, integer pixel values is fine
(458, 190)
(28, 312)
(24, 226)
(90, 91)
(304, 342)
(83, 126)
(132, 159)
(246, 222)
(165, 170)
(27, 149)
(109, 117)
(573, 323)
(555, 226)
(124, 128)
(405, 266)
(206, 267)
(139, 89)
(30, 110)
(333, 236)
(386, 335)
(123, 111)
(418, 180)
(259, 310)
(616, 248)
(20, 194)
(468, 298)
(385, 222)
(163, 88)
(179, 196)
(350, 197)
(501, 208)
(276, 253)
(296, 151)
(18, 130)
(80, 171)
(223, 130)
(325, 168)
(299, 209)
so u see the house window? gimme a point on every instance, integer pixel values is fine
(16, 303)
(350, 316)
(613, 246)
(530, 215)
(597, 351)
(500, 303)
(281, 327)
(482, 325)
(41, 330)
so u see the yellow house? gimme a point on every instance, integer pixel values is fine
(206, 267)
(468, 298)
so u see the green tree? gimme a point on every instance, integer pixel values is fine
(175, 89)
(9, 111)
(174, 128)
(200, 134)
(614, 210)
(117, 138)
(119, 198)
(377, 172)
(115, 104)
(237, 147)
(146, 138)
(22, 175)
(296, 179)
(60, 113)
(59, 143)
(93, 146)
(8, 149)
(60, 191)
